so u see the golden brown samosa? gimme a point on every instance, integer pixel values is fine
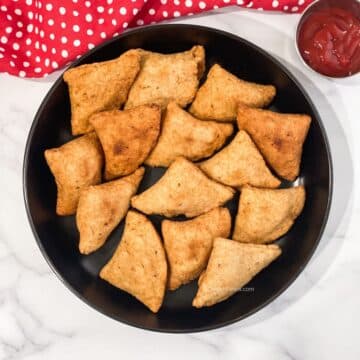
(183, 190)
(231, 266)
(102, 207)
(138, 265)
(218, 98)
(188, 244)
(75, 166)
(266, 214)
(167, 77)
(127, 137)
(184, 135)
(240, 163)
(280, 137)
(100, 86)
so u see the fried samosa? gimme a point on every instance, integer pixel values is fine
(184, 135)
(183, 190)
(167, 77)
(188, 244)
(231, 266)
(127, 137)
(218, 98)
(100, 86)
(75, 166)
(279, 137)
(102, 207)
(138, 265)
(240, 163)
(266, 214)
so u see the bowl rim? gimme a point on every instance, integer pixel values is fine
(178, 27)
(297, 32)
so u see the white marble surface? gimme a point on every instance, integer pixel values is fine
(317, 317)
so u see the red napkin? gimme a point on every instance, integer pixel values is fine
(40, 36)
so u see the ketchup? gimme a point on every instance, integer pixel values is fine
(329, 41)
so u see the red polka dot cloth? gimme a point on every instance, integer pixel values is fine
(40, 36)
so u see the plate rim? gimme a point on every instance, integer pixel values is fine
(277, 62)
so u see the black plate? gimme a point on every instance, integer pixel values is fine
(57, 236)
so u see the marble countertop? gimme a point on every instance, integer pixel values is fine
(315, 318)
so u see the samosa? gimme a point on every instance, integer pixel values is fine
(100, 86)
(138, 265)
(231, 266)
(184, 135)
(102, 207)
(279, 137)
(240, 163)
(218, 98)
(188, 244)
(266, 214)
(183, 190)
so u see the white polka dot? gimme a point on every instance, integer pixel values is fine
(226, 1)
(16, 46)
(43, 47)
(77, 42)
(38, 5)
(123, 11)
(30, 15)
(54, 65)
(28, 2)
(37, 70)
(30, 28)
(22, 73)
(89, 32)
(88, 17)
(26, 64)
(165, 14)
(47, 62)
(52, 36)
(109, 2)
(163, 2)
(275, 4)
(14, 56)
(87, 3)
(110, 10)
(177, 2)
(114, 22)
(103, 35)
(115, 34)
(19, 24)
(28, 41)
(75, 1)
(41, 18)
(188, 3)
(4, 39)
(62, 10)
(37, 45)
(125, 25)
(9, 17)
(91, 46)
(294, 9)
(140, 22)
(250, 4)
(37, 59)
(216, 7)
(36, 30)
(64, 53)
(101, 21)
(135, 11)
(286, 8)
(177, 13)
(8, 30)
(3, 8)
(240, 2)
(1, 56)
(53, 51)
(51, 22)
(19, 34)
(133, 0)
(12, 63)
(42, 34)
(64, 40)
(202, 5)
(100, 9)
(28, 53)
(76, 28)
(18, 12)
(63, 25)
(48, 7)
(75, 13)
(152, 11)
(301, 2)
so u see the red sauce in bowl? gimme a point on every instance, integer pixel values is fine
(329, 42)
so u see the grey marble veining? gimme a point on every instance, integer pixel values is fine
(315, 318)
